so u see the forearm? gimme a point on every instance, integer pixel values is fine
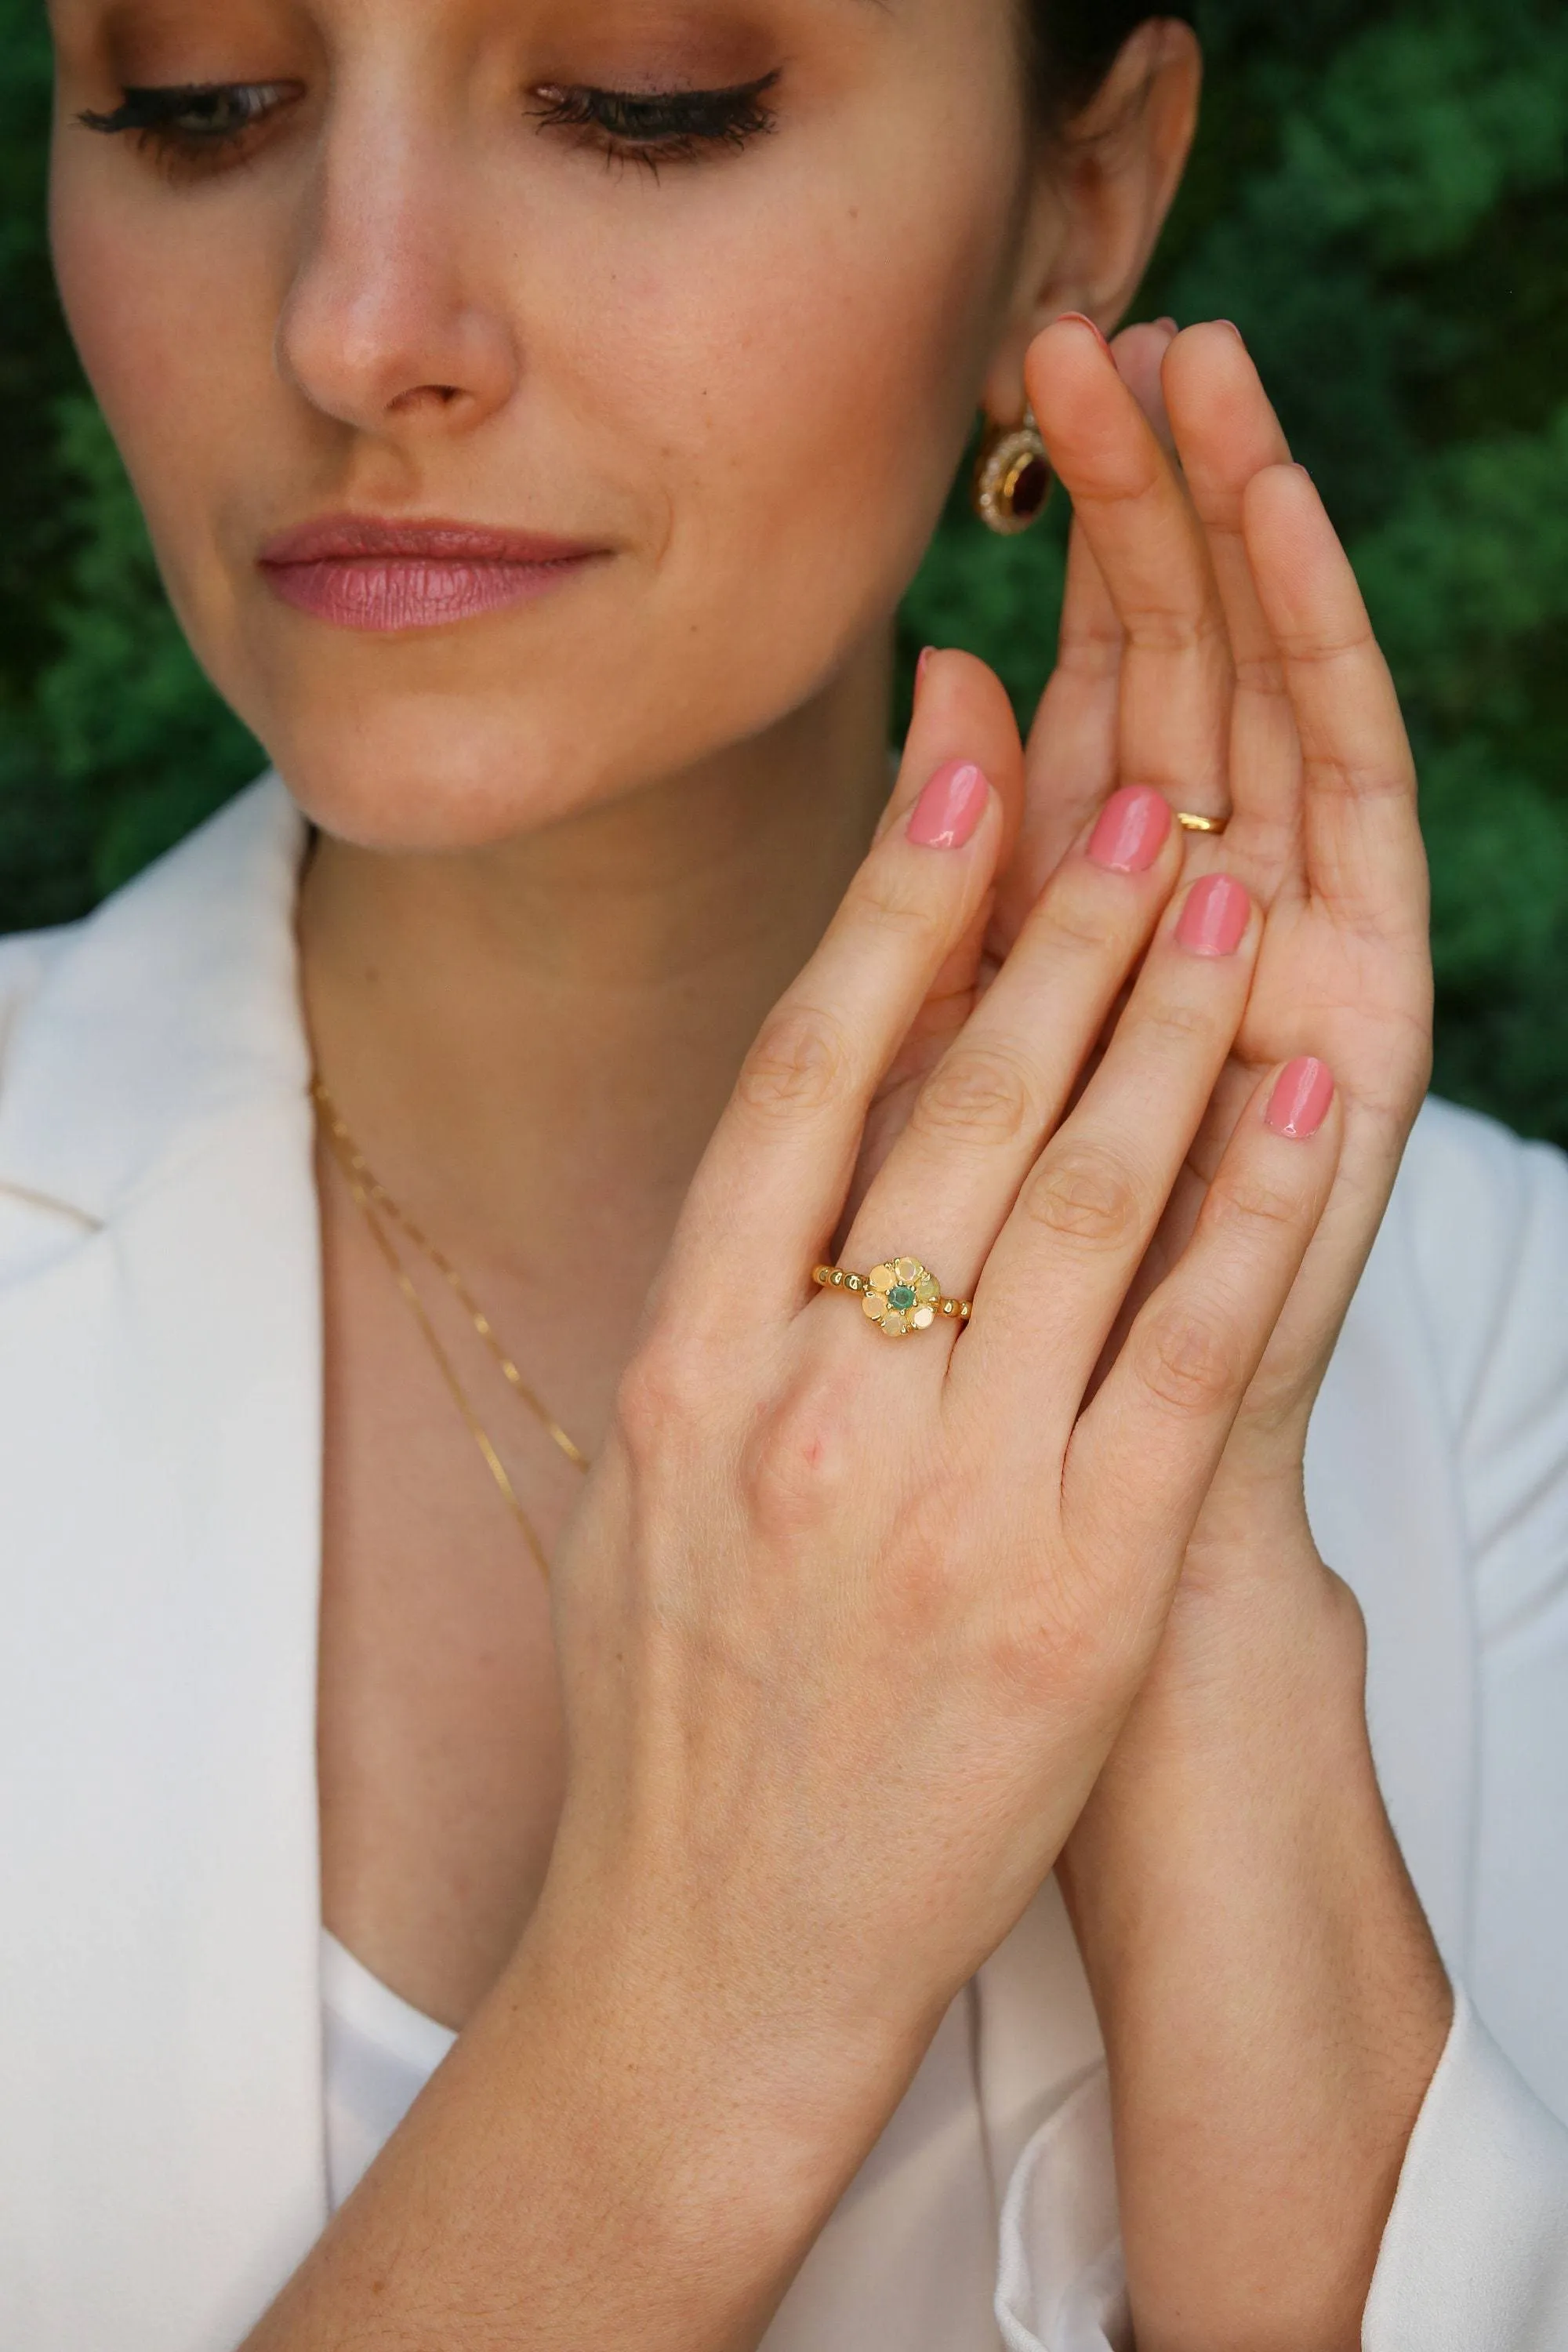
(1273, 2006)
(600, 2160)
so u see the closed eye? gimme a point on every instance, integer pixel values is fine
(656, 127)
(191, 121)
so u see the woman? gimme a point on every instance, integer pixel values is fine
(539, 413)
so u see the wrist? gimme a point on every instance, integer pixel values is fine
(751, 2084)
(1272, 2002)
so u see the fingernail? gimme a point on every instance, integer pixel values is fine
(1302, 1098)
(921, 667)
(1077, 318)
(1215, 919)
(1169, 323)
(1235, 329)
(1134, 826)
(950, 808)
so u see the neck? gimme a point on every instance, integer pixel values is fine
(532, 1043)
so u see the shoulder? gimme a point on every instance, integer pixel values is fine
(25, 960)
(1481, 1219)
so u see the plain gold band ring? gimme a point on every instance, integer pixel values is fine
(1191, 822)
(900, 1297)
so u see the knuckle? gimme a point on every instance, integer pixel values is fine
(977, 1094)
(801, 1463)
(1316, 648)
(799, 1062)
(1190, 1363)
(1173, 629)
(1252, 1203)
(1341, 778)
(1085, 1195)
(892, 899)
(662, 1392)
(1072, 920)
(1262, 674)
(1166, 1022)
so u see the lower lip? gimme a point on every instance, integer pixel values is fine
(386, 594)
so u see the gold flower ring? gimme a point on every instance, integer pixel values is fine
(901, 1297)
(1190, 822)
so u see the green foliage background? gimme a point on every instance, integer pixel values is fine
(1378, 201)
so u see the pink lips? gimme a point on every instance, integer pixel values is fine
(358, 572)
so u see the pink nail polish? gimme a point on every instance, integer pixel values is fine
(1215, 919)
(1077, 318)
(1302, 1098)
(948, 810)
(1170, 324)
(1134, 826)
(1235, 329)
(921, 667)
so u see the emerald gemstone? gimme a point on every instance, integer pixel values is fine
(901, 1297)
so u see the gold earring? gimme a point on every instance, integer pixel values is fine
(1013, 478)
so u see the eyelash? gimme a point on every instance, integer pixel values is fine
(154, 118)
(652, 127)
(657, 127)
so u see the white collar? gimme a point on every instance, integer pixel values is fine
(174, 1004)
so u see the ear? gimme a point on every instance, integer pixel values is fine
(1103, 191)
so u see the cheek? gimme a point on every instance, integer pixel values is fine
(810, 376)
(175, 332)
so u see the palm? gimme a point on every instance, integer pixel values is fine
(1212, 642)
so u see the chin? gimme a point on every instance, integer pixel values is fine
(438, 774)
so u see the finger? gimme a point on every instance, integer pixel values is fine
(1226, 431)
(962, 712)
(1145, 1453)
(979, 1121)
(1062, 1265)
(1140, 355)
(771, 1184)
(1070, 764)
(1173, 717)
(1364, 851)
(959, 702)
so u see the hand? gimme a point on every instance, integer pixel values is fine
(848, 1625)
(1272, 2001)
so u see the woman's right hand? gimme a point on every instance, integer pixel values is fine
(847, 1624)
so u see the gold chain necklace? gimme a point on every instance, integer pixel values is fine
(377, 1204)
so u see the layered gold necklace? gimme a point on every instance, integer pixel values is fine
(383, 1216)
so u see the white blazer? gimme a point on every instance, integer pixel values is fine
(162, 2165)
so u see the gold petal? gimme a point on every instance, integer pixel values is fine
(883, 1278)
(874, 1304)
(923, 1318)
(927, 1290)
(909, 1269)
(894, 1326)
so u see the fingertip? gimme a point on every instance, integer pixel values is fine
(1300, 1099)
(1131, 832)
(950, 809)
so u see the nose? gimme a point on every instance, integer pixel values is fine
(393, 323)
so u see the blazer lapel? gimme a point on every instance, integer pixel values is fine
(162, 2165)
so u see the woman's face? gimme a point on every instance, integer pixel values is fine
(699, 358)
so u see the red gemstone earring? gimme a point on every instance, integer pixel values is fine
(1013, 478)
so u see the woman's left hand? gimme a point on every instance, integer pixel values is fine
(1272, 2002)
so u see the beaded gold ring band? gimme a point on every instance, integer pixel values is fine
(1190, 823)
(901, 1297)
